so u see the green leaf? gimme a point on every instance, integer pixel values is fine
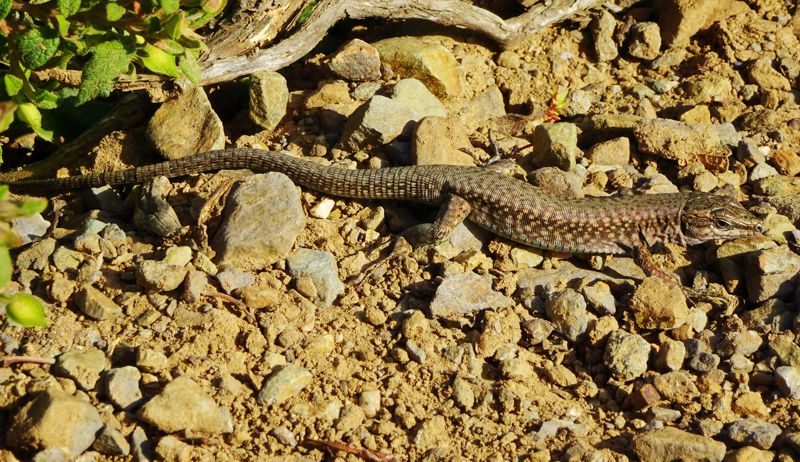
(172, 26)
(170, 6)
(108, 61)
(6, 267)
(13, 84)
(26, 310)
(5, 7)
(30, 114)
(68, 7)
(3, 192)
(45, 99)
(115, 12)
(190, 67)
(7, 110)
(63, 25)
(159, 61)
(32, 206)
(37, 46)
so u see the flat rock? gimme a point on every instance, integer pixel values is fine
(663, 444)
(54, 420)
(283, 384)
(320, 266)
(261, 222)
(82, 366)
(414, 94)
(466, 293)
(96, 304)
(754, 431)
(675, 140)
(121, 385)
(376, 122)
(183, 405)
(429, 62)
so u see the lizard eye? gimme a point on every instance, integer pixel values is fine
(722, 224)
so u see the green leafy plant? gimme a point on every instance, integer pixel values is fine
(65, 53)
(24, 309)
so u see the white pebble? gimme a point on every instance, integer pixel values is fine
(322, 209)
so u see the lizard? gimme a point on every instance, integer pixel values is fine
(498, 202)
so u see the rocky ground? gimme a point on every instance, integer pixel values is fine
(228, 316)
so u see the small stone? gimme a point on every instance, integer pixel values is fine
(786, 349)
(285, 436)
(159, 276)
(555, 145)
(567, 310)
(626, 355)
(172, 449)
(30, 228)
(287, 382)
(671, 355)
(262, 219)
(110, 442)
(61, 289)
(645, 41)
(705, 182)
(415, 352)
(122, 387)
(65, 259)
(350, 418)
(269, 96)
(377, 122)
(466, 293)
(771, 273)
(415, 95)
(143, 448)
(704, 362)
(699, 114)
(82, 366)
(323, 208)
(258, 297)
(431, 433)
(677, 387)
(663, 444)
(232, 279)
(183, 405)
(557, 182)
(175, 131)
(786, 162)
(538, 329)
(370, 402)
(599, 297)
(429, 62)
(605, 47)
(749, 454)
(53, 455)
(644, 396)
(761, 73)
(750, 404)
(150, 360)
(787, 379)
(37, 255)
(356, 61)
(675, 140)
(615, 152)
(501, 327)
(320, 267)
(659, 305)
(194, 285)
(754, 431)
(463, 394)
(761, 171)
(54, 420)
(96, 304)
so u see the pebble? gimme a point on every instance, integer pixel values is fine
(599, 297)
(284, 435)
(744, 343)
(263, 218)
(771, 273)
(321, 268)
(323, 208)
(463, 394)
(431, 433)
(656, 304)
(82, 366)
(761, 171)
(703, 362)
(235, 279)
(173, 128)
(194, 285)
(350, 418)
(786, 162)
(95, 304)
(287, 382)
(567, 310)
(377, 122)
(626, 355)
(258, 297)
(749, 454)
(159, 276)
(661, 445)
(365, 90)
(356, 61)
(122, 387)
(787, 378)
(677, 387)
(555, 145)
(786, 349)
(753, 431)
(422, 59)
(65, 259)
(172, 449)
(183, 405)
(54, 420)
(605, 47)
(150, 360)
(37, 255)
(557, 182)
(30, 228)
(645, 41)
(370, 402)
(110, 442)
(466, 293)
(671, 355)
(616, 152)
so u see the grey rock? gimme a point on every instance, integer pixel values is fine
(466, 293)
(268, 98)
(82, 366)
(788, 380)
(105, 198)
(753, 431)
(744, 343)
(626, 355)
(194, 285)
(771, 273)
(88, 243)
(557, 182)
(663, 444)
(567, 310)
(555, 145)
(111, 443)
(727, 134)
(143, 448)
(376, 122)
(414, 94)
(96, 304)
(429, 62)
(748, 151)
(786, 349)
(599, 297)
(261, 222)
(463, 393)
(603, 27)
(152, 212)
(283, 384)
(159, 276)
(114, 235)
(53, 455)
(356, 61)
(183, 405)
(365, 91)
(54, 420)
(30, 228)
(645, 41)
(671, 355)
(284, 435)
(150, 360)
(704, 362)
(186, 125)
(415, 352)
(122, 387)
(761, 171)
(485, 106)
(321, 267)
(36, 256)
(232, 279)
(65, 259)
(61, 289)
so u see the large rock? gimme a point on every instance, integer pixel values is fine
(681, 19)
(186, 125)
(429, 62)
(269, 96)
(669, 443)
(261, 222)
(321, 267)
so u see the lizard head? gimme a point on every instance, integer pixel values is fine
(708, 217)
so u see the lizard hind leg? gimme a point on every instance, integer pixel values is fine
(453, 211)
